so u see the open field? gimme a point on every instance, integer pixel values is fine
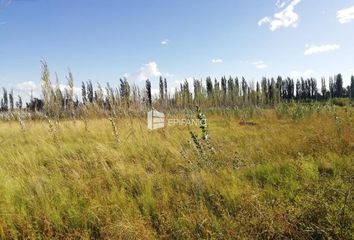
(285, 176)
(176, 120)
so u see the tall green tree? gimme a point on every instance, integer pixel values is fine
(231, 90)
(161, 88)
(323, 88)
(258, 93)
(279, 88)
(209, 86)
(19, 102)
(124, 91)
(90, 92)
(264, 86)
(352, 88)
(338, 86)
(4, 100)
(83, 93)
(148, 92)
(198, 91)
(313, 87)
(224, 89)
(216, 95)
(166, 92)
(272, 91)
(237, 87)
(11, 99)
(187, 96)
(331, 88)
(244, 87)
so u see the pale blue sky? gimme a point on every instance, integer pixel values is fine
(104, 40)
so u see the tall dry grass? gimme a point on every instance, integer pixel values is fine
(281, 177)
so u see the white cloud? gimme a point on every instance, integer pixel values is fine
(264, 21)
(147, 71)
(285, 18)
(30, 87)
(27, 87)
(172, 90)
(164, 42)
(280, 4)
(306, 74)
(313, 49)
(217, 60)
(345, 15)
(155, 92)
(63, 87)
(260, 64)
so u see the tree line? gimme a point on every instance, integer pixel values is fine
(226, 92)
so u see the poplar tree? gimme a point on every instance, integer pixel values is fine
(231, 89)
(148, 92)
(124, 91)
(338, 86)
(4, 100)
(166, 93)
(331, 88)
(19, 102)
(323, 88)
(352, 88)
(11, 99)
(90, 93)
(224, 89)
(264, 86)
(83, 93)
(161, 89)
(209, 86)
(258, 92)
(237, 87)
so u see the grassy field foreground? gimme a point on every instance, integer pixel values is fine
(281, 178)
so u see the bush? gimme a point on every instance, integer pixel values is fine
(341, 102)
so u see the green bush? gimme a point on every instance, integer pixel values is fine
(341, 102)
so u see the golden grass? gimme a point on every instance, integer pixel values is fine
(280, 178)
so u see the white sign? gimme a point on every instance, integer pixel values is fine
(156, 120)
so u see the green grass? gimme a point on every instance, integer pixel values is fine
(282, 178)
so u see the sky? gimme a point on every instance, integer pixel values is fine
(105, 40)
